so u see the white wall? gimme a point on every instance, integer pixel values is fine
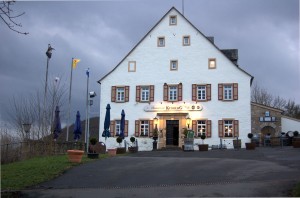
(153, 68)
(290, 124)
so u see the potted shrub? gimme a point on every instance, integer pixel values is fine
(93, 151)
(120, 150)
(155, 134)
(75, 155)
(251, 145)
(132, 147)
(296, 140)
(203, 147)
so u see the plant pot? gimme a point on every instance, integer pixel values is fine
(296, 142)
(112, 152)
(93, 155)
(250, 146)
(237, 144)
(121, 150)
(75, 155)
(133, 149)
(203, 147)
(155, 138)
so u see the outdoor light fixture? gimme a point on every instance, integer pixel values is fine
(188, 121)
(155, 121)
(92, 94)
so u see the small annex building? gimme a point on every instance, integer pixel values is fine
(176, 78)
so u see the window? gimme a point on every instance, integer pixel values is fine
(145, 92)
(161, 41)
(201, 92)
(120, 93)
(173, 65)
(201, 128)
(227, 92)
(228, 128)
(173, 20)
(212, 63)
(172, 92)
(118, 127)
(186, 41)
(144, 128)
(131, 66)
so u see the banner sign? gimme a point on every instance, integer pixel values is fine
(173, 108)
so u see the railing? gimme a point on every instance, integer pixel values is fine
(18, 151)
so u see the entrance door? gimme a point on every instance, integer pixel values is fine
(172, 133)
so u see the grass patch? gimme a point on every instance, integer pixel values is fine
(296, 190)
(19, 175)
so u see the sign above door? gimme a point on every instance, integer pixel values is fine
(173, 108)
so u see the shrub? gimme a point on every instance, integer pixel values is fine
(132, 139)
(250, 135)
(93, 141)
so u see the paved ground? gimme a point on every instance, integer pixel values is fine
(262, 172)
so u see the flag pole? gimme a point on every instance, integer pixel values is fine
(67, 136)
(86, 111)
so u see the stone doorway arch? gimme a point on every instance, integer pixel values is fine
(268, 129)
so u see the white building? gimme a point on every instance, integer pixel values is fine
(175, 73)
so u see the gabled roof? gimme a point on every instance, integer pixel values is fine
(173, 8)
(267, 107)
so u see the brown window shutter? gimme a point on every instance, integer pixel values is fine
(151, 128)
(236, 128)
(113, 93)
(208, 128)
(220, 91)
(194, 127)
(220, 128)
(137, 128)
(151, 93)
(180, 92)
(112, 128)
(194, 92)
(126, 128)
(166, 92)
(126, 93)
(208, 92)
(235, 91)
(138, 94)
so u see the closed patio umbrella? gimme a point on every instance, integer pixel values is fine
(56, 124)
(106, 132)
(122, 124)
(77, 127)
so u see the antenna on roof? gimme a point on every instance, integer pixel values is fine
(183, 7)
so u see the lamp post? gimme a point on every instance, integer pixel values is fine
(188, 121)
(26, 128)
(92, 94)
(49, 54)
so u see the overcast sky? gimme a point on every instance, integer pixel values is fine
(101, 33)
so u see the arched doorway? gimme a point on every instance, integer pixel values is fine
(268, 129)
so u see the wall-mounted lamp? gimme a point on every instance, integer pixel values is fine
(155, 121)
(188, 121)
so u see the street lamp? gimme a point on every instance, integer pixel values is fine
(92, 94)
(26, 127)
(155, 121)
(188, 121)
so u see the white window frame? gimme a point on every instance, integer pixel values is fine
(228, 92)
(173, 93)
(173, 20)
(212, 63)
(144, 128)
(120, 94)
(184, 39)
(202, 92)
(201, 127)
(145, 93)
(161, 41)
(117, 127)
(228, 128)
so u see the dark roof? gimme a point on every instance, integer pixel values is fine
(208, 38)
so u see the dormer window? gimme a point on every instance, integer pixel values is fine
(173, 20)
(186, 41)
(161, 42)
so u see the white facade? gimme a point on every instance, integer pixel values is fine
(152, 67)
(290, 124)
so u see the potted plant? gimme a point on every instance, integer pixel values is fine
(203, 147)
(75, 155)
(251, 145)
(120, 150)
(133, 147)
(296, 140)
(155, 134)
(93, 151)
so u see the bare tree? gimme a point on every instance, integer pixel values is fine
(261, 96)
(8, 16)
